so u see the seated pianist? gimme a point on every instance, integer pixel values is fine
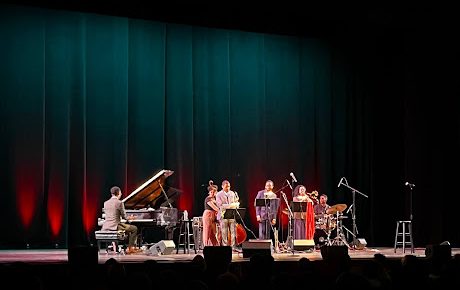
(114, 210)
(136, 211)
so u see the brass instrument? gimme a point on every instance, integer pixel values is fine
(235, 204)
(313, 196)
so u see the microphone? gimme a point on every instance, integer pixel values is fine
(340, 182)
(349, 209)
(293, 177)
(409, 184)
(289, 184)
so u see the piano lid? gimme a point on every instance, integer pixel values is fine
(148, 193)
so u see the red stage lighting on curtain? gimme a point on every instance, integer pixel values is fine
(251, 192)
(185, 201)
(56, 193)
(90, 207)
(27, 186)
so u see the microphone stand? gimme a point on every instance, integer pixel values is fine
(353, 212)
(293, 181)
(241, 219)
(237, 198)
(289, 238)
(410, 203)
(289, 221)
(411, 216)
(267, 221)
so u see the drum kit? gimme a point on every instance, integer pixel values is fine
(330, 221)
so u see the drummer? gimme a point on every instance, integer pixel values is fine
(320, 218)
(322, 206)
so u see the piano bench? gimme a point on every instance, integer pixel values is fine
(113, 237)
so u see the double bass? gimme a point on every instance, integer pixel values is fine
(240, 235)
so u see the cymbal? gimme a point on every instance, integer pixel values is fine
(336, 208)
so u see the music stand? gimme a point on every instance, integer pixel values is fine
(299, 206)
(233, 213)
(271, 208)
(296, 207)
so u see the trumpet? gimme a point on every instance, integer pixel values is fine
(313, 196)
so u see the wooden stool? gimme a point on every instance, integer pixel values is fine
(184, 236)
(404, 231)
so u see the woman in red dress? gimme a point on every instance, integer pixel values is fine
(304, 222)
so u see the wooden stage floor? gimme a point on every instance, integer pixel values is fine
(59, 256)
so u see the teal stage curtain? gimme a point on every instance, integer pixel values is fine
(90, 101)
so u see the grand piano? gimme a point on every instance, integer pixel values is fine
(149, 206)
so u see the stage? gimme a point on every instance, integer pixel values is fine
(59, 256)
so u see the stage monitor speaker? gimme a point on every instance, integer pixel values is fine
(163, 247)
(334, 252)
(83, 255)
(302, 245)
(441, 252)
(261, 247)
(360, 244)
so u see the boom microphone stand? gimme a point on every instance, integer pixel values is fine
(353, 212)
(281, 190)
(411, 186)
(289, 238)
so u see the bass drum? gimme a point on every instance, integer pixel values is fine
(320, 238)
